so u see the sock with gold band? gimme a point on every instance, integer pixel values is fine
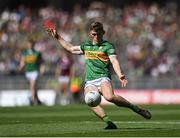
(110, 124)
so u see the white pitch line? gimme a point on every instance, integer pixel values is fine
(148, 122)
(137, 122)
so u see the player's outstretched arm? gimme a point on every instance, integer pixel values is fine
(117, 69)
(68, 46)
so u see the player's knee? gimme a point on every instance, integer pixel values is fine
(110, 98)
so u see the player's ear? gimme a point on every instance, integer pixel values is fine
(90, 36)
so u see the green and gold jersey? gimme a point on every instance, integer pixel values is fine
(97, 59)
(32, 60)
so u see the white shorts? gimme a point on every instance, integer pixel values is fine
(97, 82)
(32, 75)
(64, 79)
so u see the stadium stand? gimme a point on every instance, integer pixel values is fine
(146, 36)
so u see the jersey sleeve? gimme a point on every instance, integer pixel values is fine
(24, 53)
(82, 47)
(110, 50)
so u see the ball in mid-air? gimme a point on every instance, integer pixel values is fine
(93, 98)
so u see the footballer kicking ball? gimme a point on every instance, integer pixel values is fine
(93, 98)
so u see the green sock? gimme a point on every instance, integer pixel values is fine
(106, 119)
(135, 108)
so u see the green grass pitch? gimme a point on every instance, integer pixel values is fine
(78, 120)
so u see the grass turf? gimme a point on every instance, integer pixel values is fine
(78, 120)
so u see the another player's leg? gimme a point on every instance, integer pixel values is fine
(99, 111)
(108, 94)
(33, 89)
(63, 95)
(66, 93)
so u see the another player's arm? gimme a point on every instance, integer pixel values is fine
(22, 63)
(42, 67)
(68, 46)
(118, 70)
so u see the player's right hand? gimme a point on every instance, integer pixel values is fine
(52, 32)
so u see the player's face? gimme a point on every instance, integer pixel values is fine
(29, 45)
(96, 37)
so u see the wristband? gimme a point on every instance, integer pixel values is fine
(122, 77)
(56, 36)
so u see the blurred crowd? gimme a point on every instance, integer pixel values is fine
(146, 36)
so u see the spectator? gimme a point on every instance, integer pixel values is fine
(139, 28)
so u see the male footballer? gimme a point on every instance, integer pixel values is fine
(99, 54)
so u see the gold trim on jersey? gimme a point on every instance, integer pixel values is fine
(96, 55)
(31, 59)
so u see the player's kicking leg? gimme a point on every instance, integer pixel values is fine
(108, 94)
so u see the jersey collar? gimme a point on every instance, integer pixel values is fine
(96, 44)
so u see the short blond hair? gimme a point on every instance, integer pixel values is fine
(97, 26)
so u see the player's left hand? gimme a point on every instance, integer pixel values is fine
(124, 82)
